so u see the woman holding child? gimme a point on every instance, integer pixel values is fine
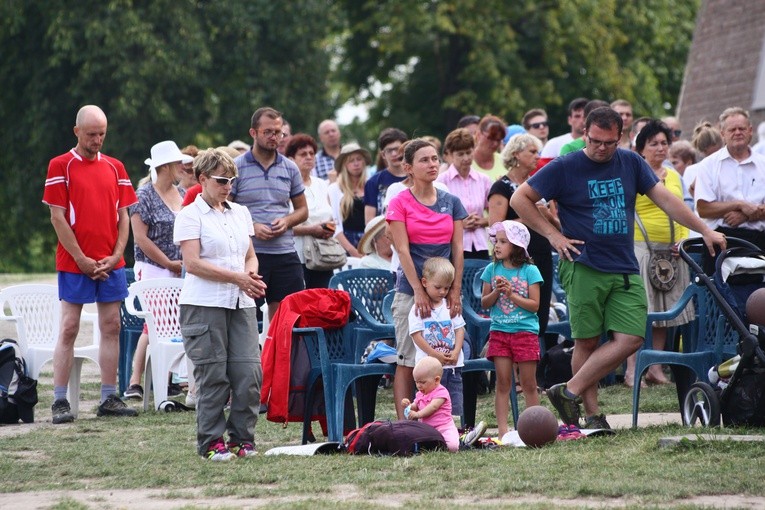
(424, 222)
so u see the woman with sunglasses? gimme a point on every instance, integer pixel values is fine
(152, 219)
(218, 314)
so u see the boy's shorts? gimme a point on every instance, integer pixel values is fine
(599, 302)
(452, 381)
(520, 346)
(80, 289)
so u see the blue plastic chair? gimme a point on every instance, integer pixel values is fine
(388, 307)
(335, 356)
(472, 269)
(131, 328)
(707, 341)
(369, 286)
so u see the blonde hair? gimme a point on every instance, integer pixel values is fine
(207, 161)
(147, 178)
(437, 268)
(517, 144)
(706, 137)
(346, 186)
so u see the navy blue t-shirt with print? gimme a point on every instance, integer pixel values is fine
(596, 204)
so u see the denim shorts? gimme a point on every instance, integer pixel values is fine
(452, 381)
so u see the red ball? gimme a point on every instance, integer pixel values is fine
(755, 307)
(537, 426)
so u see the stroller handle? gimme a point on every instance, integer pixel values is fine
(696, 245)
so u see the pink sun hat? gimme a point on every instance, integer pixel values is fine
(516, 233)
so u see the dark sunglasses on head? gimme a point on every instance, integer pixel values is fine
(223, 180)
(537, 125)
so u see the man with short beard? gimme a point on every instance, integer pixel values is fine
(267, 183)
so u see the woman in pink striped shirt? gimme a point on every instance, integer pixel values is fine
(472, 188)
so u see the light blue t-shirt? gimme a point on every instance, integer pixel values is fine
(505, 315)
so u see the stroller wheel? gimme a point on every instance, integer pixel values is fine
(701, 404)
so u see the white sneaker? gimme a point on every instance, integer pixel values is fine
(191, 400)
(471, 436)
(217, 452)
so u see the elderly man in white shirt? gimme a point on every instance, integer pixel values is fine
(730, 185)
(218, 315)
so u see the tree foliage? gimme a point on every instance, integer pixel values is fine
(194, 71)
(190, 71)
(439, 60)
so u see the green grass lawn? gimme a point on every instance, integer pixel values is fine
(157, 451)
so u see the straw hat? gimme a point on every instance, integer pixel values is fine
(349, 149)
(374, 227)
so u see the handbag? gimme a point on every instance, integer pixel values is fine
(323, 254)
(662, 264)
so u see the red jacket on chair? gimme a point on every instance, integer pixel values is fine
(322, 308)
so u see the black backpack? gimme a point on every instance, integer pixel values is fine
(401, 438)
(555, 365)
(18, 391)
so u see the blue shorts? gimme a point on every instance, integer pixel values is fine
(452, 381)
(79, 288)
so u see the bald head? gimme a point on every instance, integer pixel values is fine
(428, 367)
(329, 134)
(88, 114)
(90, 130)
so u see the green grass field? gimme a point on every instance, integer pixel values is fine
(156, 451)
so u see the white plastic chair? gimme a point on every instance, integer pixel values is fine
(160, 309)
(36, 311)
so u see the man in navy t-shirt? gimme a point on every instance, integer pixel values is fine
(595, 190)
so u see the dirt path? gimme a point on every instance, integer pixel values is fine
(156, 499)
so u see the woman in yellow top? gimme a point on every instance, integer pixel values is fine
(661, 289)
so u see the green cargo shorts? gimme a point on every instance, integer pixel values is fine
(599, 302)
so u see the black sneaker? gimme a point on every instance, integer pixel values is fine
(596, 421)
(567, 407)
(113, 406)
(134, 391)
(173, 390)
(62, 413)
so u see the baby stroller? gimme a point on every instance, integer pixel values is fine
(739, 399)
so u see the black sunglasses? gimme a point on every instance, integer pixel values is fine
(537, 125)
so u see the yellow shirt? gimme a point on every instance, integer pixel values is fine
(495, 172)
(655, 221)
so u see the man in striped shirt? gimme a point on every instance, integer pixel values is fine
(271, 187)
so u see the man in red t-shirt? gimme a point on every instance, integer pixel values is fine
(88, 194)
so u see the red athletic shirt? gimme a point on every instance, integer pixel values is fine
(91, 192)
